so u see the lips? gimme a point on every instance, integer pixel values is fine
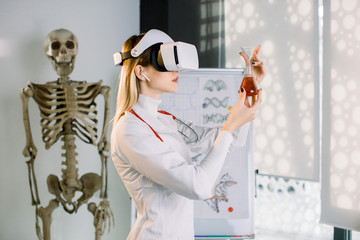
(176, 79)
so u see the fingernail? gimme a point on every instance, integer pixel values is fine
(253, 63)
(242, 90)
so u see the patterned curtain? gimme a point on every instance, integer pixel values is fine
(341, 115)
(286, 136)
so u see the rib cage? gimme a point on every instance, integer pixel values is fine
(59, 102)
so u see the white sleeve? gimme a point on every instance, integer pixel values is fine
(207, 136)
(158, 162)
(240, 136)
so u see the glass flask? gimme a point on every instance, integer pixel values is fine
(248, 82)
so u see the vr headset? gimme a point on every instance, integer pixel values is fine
(166, 54)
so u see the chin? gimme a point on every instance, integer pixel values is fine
(175, 90)
(172, 89)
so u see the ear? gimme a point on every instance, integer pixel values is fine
(138, 70)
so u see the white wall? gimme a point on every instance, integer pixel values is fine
(101, 28)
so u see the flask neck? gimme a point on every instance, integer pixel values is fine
(248, 70)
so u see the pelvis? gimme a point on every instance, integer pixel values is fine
(90, 183)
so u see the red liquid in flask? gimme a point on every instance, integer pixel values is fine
(249, 85)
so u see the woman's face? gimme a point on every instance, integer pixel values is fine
(160, 82)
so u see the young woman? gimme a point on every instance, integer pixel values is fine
(152, 157)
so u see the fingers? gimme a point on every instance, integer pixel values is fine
(253, 98)
(246, 57)
(255, 57)
(243, 99)
(242, 96)
(257, 64)
(259, 68)
(258, 100)
(257, 50)
(247, 102)
(256, 60)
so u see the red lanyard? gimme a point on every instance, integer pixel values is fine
(164, 112)
(156, 134)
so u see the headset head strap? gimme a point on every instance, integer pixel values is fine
(151, 38)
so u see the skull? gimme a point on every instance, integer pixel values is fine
(61, 47)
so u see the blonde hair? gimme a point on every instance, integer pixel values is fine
(129, 85)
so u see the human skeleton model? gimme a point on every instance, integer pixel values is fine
(68, 109)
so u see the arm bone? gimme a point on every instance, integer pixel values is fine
(30, 149)
(103, 145)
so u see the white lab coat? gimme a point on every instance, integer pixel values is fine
(161, 177)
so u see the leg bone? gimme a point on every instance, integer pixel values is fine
(45, 215)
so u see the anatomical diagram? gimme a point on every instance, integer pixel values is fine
(68, 112)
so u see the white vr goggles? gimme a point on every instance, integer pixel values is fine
(166, 55)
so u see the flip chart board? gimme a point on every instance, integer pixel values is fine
(206, 97)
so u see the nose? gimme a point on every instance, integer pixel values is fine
(63, 50)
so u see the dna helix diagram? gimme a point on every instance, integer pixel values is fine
(217, 85)
(220, 192)
(214, 101)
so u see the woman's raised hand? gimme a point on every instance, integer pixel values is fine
(257, 65)
(242, 112)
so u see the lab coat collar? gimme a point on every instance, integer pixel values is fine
(148, 104)
(147, 109)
